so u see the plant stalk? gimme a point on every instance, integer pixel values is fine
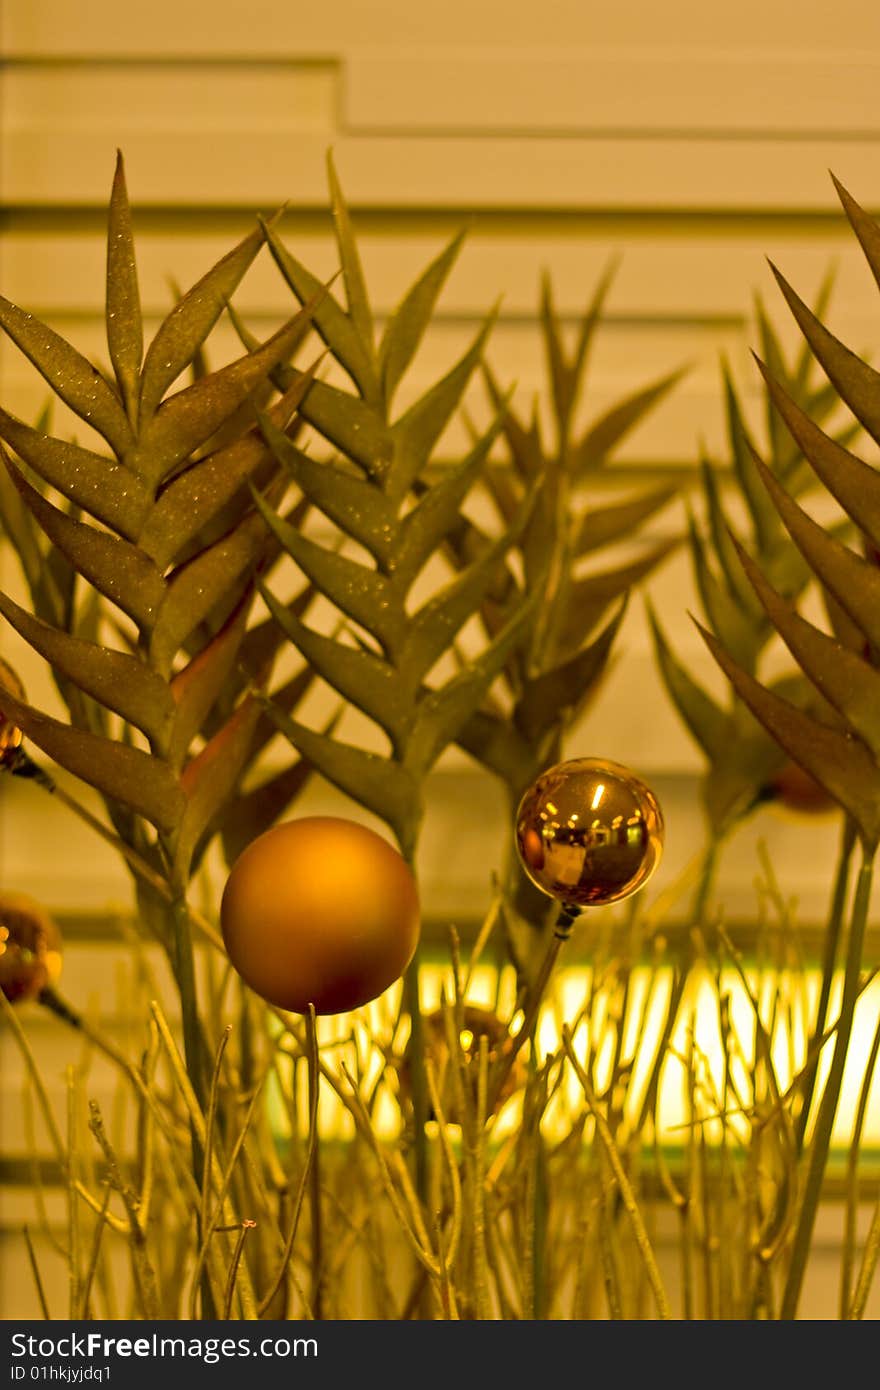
(821, 1140)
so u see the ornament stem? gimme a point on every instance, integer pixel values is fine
(568, 915)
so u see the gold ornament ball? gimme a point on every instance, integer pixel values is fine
(30, 948)
(794, 789)
(588, 832)
(321, 911)
(10, 734)
(476, 1023)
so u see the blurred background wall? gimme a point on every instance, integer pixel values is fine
(690, 146)
(691, 140)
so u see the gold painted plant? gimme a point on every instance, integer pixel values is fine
(227, 547)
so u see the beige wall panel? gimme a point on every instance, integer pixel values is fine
(47, 167)
(256, 99)
(269, 28)
(636, 88)
(708, 271)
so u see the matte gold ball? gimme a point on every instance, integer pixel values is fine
(589, 831)
(320, 911)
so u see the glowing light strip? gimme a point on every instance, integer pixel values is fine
(649, 992)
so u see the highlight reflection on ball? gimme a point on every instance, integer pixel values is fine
(588, 831)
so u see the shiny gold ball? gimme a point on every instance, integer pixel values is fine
(321, 911)
(30, 948)
(10, 734)
(588, 832)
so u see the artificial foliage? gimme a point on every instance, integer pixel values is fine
(508, 1143)
(745, 766)
(572, 553)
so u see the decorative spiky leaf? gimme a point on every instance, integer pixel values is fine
(18, 524)
(210, 778)
(606, 433)
(854, 582)
(708, 724)
(846, 682)
(779, 440)
(406, 327)
(189, 418)
(497, 745)
(438, 509)
(416, 432)
(125, 334)
(842, 625)
(600, 526)
(261, 642)
(352, 271)
(441, 713)
(856, 383)
(128, 775)
(287, 698)
(196, 688)
(764, 519)
(563, 379)
(250, 814)
(182, 333)
(837, 761)
(363, 679)
(734, 625)
(348, 423)
(724, 547)
(363, 594)
(855, 484)
(198, 496)
(71, 376)
(107, 490)
(380, 785)
(587, 599)
(865, 228)
(354, 505)
(435, 625)
(118, 681)
(561, 690)
(524, 443)
(119, 570)
(199, 585)
(744, 768)
(331, 321)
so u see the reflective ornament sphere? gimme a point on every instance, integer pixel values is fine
(10, 734)
(589, 832)
(30, 948)
(321, 911)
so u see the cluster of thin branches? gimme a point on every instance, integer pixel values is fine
(641, 1157)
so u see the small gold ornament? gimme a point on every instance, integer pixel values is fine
(30, 948)
(589, 832)
(322, 911)
(10, 734)
(476, 1023)
(793, 789)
